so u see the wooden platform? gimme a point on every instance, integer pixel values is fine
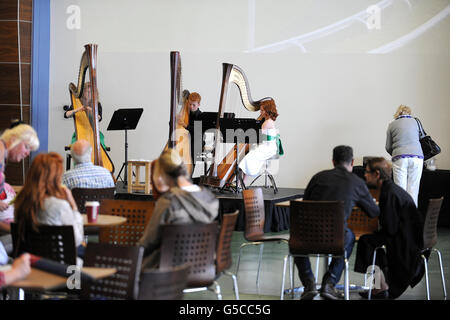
(277, 218)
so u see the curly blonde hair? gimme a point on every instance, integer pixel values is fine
(21, 133)
(402, 110)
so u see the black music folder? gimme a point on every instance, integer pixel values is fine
(125, 119)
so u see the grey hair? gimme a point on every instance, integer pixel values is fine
(82, 158)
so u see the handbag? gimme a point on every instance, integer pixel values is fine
(429, 147)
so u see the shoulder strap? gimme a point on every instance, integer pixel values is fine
(422, 131)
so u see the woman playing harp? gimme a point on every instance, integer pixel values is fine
(255, 159)
(86, 116)
(222, 171)
(179, 137)
(86, 101)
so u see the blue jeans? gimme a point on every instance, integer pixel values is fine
(80, 251)
(335, 268)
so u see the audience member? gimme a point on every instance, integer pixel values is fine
(7, 216)
(16, 144)
(85, 174)
(20, 268)
(338, 184)
(44, 200)
(402, 143)
(184, 202)
(401, 231)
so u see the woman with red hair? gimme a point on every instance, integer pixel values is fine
(44, 200)
(253, 162)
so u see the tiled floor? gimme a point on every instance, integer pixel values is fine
(272, 265)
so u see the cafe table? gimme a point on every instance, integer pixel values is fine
(38, 280)
(104, 220)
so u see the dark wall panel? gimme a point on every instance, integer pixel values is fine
(8, 10)
(25, 42)
(13, 112)
(26, 79)
(8, 41)
(9, 83)
(26, 10)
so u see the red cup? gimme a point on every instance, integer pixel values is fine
(92, 210)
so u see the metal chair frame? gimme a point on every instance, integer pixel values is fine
(430, 239)
(267, 175)
(254, 227)
(297, 240)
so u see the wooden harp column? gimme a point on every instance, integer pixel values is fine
(86, 123)
(222, 170)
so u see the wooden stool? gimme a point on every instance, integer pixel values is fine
(137, 184)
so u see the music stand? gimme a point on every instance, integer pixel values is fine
(125, 119)
(239, 127)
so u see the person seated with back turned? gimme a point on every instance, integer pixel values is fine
(401, 231)
(85, 174)
(45, 201)
(338, 184)
(182, 202)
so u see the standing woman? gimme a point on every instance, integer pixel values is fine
(402, 143)
(253, 162)
(44, 200)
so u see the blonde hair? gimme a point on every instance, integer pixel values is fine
(21, 133)
(84, 99)
(171, 164)
(402, 110)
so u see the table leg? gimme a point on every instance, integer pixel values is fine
(130, 176)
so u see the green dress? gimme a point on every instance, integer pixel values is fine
(102, 139)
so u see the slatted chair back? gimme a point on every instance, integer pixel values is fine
(165, 284)
(254, 213)
(52, 242)
(361, 224)
(317, 227)
(137, 213)
(194, 244)
(81, 195)
(223, 252)
(431, 220)
(124, 284)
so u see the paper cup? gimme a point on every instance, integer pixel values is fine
(92, 208)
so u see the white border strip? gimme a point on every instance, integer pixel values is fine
(400, 42)
(319, 33)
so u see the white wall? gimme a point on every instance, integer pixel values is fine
(329, 90)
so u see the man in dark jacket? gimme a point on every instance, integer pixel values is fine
(338, 184)
(401, 232)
